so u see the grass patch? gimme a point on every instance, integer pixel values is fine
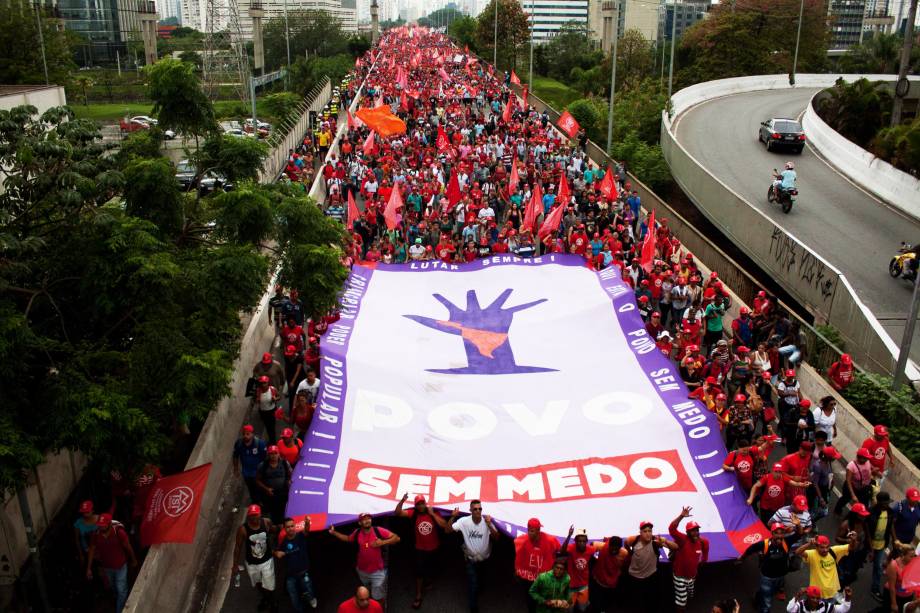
(110, 112)
(558, 95)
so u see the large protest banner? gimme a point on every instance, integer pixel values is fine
(529, 384)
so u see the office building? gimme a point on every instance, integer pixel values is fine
(845, 22)
(550, 15)
(686, 15)
(106, 26)
(195, 13)
(169, 8)
(641, 15)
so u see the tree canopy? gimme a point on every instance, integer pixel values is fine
(20, 60)
(178, 100)
(513, 32)
(312, 33)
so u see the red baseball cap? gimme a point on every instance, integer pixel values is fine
(767, 375)
(846, 359)
(533, 522)
(721, 397)
(742, 349)
(880, 430)
(290, 350)
(778, 467)
(740, 398)
(103, 521)
(644, 524)
(86, 506)
(805, 403)
(279, 413)
(419, 498)
(248, 428)
(860, 509)
(776, 526)
(862, 452)
(913, 494)
(831, 452)
(790, 372)
(822, 540)
(266, 358)
(692, 525)
(263, 379)
(712, 380)
(364, 514)
(800, 503)
(254, 509)
(286, 433)
(713, 275)
(813, 591)
(744, 310)
(272, 449)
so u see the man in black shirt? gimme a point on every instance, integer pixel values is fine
(774, 566)
(293, 549)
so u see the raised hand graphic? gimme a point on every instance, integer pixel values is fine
(484, 332)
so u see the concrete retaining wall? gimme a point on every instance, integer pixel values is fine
(873, 174)
(276, 160)
(42, 98)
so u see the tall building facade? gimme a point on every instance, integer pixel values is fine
(170, 8)
(686, 15)
(195, 13)
(549, 16)
(639, 15)
(845, 18)
(106, 26)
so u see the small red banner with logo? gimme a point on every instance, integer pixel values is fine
(171, 513)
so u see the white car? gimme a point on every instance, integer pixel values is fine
(237, 133)
(145, 119)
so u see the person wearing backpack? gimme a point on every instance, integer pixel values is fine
(774, 566)
(822, 560)
(645, 553)
(109, 545)
(370, 541)
(808, 600)
(274, 479)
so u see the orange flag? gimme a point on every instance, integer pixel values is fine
(647, 257)
(551, 222)
(506, 115)
(353, 212)
(351, 121)
(524, 96)
(382, 120)
(393, 204)
(442, 142)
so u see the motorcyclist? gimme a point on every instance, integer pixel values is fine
(785, 180)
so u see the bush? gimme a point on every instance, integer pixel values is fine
(900, 146)
(870, 395)
(645, 161)
(587, 115)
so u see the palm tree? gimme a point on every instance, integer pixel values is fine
(856, 110)
(876, 55)
(84, 82)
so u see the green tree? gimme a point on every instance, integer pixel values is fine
(191, 57)
(307, 73)
(857, 110)
(281, 105)
(178, 100)
(570, 48)
(463, 31)
(237, 159)
(645, 161)
(20, 59)
(151, 193)
(358, 45)
(589, 117)
(900, 146)
(84, 82)
(312, 33)
(878, 54)
(513, 32)
(140, 144)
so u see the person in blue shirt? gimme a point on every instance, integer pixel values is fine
(906, 514)
(548, 200)
(293, 550)
(248, 452)
(786, 179)
(635, 203)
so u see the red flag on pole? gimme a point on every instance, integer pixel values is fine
(514, 78)
(524, 95)
(368, 146)
(564, 195)
(608, 186)
(514, 179)
(534, 208)
(453, 190)
(353, 211)
(568, 124)
(172, 508)
(551, 222)
(403, 102)
(393, 204)
(647, 257)
(442, 142)
(351, 121)
(506, 114)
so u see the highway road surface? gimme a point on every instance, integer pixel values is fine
(851, 229)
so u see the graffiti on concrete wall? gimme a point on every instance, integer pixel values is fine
(802, 265)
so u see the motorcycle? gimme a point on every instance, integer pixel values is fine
(784, 197)
(900, 264)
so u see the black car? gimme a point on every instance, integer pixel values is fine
(782, 132)
(188, 179)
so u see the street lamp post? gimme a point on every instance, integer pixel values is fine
(798, 36)
(613, 73)
(495, 39)
(532, 23)
(41, 40)
(673, 41)
(903, 85)
(908, 336)
(287, 42)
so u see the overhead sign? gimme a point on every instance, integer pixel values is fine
(531, 385)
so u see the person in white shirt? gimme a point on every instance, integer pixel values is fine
(477, 531)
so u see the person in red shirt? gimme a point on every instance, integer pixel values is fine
(798, 466)
(534, 554)
(293, 334)
(692, 550)
(289, 447)
(371, 569)
(772, 490)
(109, 545)
(361, 603)
(741, 462)
(578, 562)
(608, 567)
(427, 540)
(841, 372)
(880, 448)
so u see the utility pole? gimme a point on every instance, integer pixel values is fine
(41, 40)
(673, 41)
(532, 23)
(903, 84)
(287, 42)
(613, 74)
(798, 36)
(908, 336)
(495, 39)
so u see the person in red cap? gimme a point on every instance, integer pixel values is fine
(110, 546)
(740, 422)
(645, 548)
(880, 448)
(267, 399)
(534, 554)
(841, 372)
(270, 368)
(822, 559)
(741, 461)
(798, 466)
(361, 602)
(798, 425)
(83, 529)
(743, 327)
(427, 540)
(369, 563)
(796, 520)
(773, 554)
(772, 491)
(252, 539)
(293, 333)
(692, 550)
(289, 447)
(248, 452)
(788, 393)
(858, 485)
(906, 517)
(808, 600)
(855, 522)
(274, 479)
(822, 480)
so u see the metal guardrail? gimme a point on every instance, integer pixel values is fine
(289, 134)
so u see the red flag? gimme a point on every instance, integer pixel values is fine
(608, 186)
(351, 121)
(514, 78)
(442, 142)
(551, 222)
(534, 208)
(403, 102)
(568, 124)
(524, 96)
(514, 179)
(173, 506)
(444, 75)
(506, 115)
(394, 204)
(453, 189)
(368, 146)
(353, 211)
(563, 195)
(647, 257)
